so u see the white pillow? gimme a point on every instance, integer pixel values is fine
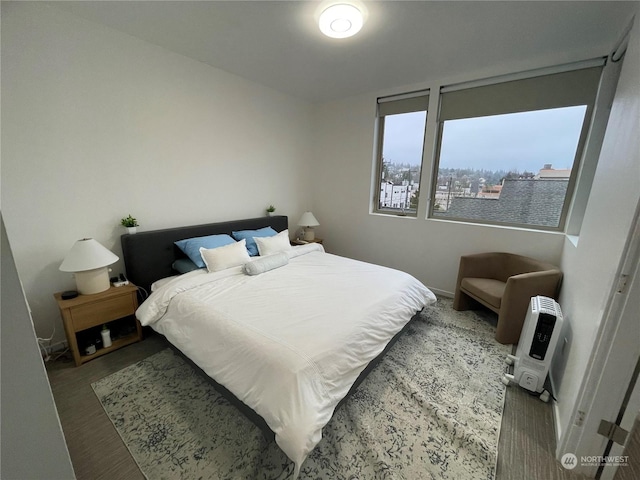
(220, 258)
(275, 244)
(265, 264)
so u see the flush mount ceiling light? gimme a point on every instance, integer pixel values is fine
(340, 21)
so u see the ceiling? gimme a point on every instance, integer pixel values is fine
(278, 44)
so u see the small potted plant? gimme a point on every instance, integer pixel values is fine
(131, 224)
(270, 210)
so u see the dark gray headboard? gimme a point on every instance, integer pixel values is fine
(148, 255)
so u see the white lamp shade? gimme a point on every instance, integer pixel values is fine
(87, 254)
(308, 220)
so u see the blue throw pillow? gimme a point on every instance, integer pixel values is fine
(248, 235)
(184, 265)
(191, 246)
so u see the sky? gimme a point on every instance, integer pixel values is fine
(517, 141)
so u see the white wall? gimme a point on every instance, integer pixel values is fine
(428, 249)
(590, 266)
(98, 124)
(33, 445)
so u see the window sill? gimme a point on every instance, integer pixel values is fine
(392, 215)
(501, 227)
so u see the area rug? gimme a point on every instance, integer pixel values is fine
(431, 409)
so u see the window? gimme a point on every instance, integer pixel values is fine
(508, 152)
(401, 130)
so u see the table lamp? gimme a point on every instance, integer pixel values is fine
(88, 260)
(308, 221)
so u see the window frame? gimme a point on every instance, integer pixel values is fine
(571, 186)
(407, 99)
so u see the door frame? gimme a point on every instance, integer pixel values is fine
(610, 369)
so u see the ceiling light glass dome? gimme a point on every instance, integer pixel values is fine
(340, 21)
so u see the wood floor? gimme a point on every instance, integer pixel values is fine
(526, 449)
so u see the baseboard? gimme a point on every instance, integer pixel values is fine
(442, 293)
(556, 425)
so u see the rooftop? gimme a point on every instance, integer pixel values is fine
(530, 202)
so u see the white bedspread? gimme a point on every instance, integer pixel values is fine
(289, 342)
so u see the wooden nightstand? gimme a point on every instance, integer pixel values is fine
(304, 242)
(84, 316)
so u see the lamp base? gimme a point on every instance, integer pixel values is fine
(92, 281)
(309, 234)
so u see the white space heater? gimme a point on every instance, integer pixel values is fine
(538, 340)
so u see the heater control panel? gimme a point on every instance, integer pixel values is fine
(542, 336)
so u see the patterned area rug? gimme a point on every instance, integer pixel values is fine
(431, 409)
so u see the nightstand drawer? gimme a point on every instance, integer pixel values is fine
(92, 314)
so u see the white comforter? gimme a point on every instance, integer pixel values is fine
(290, 342)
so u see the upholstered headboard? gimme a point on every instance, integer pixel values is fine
(148, 256)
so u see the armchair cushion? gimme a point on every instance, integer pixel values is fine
(488, 289)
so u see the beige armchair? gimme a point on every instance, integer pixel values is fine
(504, 283)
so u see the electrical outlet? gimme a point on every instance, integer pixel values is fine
(56, 347)
(580, 418)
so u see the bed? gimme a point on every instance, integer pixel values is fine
(288, 344)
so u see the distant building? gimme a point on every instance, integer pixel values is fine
(490, 191)
(397, 196)
(547, 172)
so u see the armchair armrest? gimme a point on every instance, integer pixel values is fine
(517, 297)
(545, 283)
